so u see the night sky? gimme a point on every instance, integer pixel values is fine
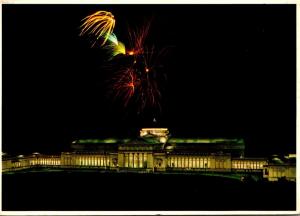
(231, 72)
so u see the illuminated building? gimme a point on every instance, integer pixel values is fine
(156, 151)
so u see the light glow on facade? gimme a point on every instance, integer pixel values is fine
(154, 151)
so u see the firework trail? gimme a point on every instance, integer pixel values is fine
(98, 25)
(115, 47)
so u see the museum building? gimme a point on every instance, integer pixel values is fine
(156, 151)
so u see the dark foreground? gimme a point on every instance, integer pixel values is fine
(52, 191)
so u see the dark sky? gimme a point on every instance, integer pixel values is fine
(231, 72)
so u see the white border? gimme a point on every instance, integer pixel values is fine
(1, 108)
(99, 2)
(149, 212)
(159, 212)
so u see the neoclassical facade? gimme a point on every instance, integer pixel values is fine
(156, 151)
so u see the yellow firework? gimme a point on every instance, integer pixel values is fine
(115, 47)
(100, 25)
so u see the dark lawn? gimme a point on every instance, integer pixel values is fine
(111, 191)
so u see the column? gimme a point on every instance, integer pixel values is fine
(125, 159)
(135, 160)
(181, 161)
(208, 162)
(132, 160)
(186, 161)
(141, 160)
(129, 159)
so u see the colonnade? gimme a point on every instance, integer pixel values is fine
(220, 164)
(188, 162)
(55, 161)
(135, 159)
(278, 171)
(92, 160)
(138, 160)
(247, 164)
(20, 164)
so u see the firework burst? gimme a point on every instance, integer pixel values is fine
(139, 81)
(98, 25)
(136, 76)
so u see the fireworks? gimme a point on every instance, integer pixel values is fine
(137, 39)
(124, 85)
(98, 25)
(139, 81)
(115, 47)
(137, 74)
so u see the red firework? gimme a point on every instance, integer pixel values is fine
(138, 81)
(124, 84)
(137, 39)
